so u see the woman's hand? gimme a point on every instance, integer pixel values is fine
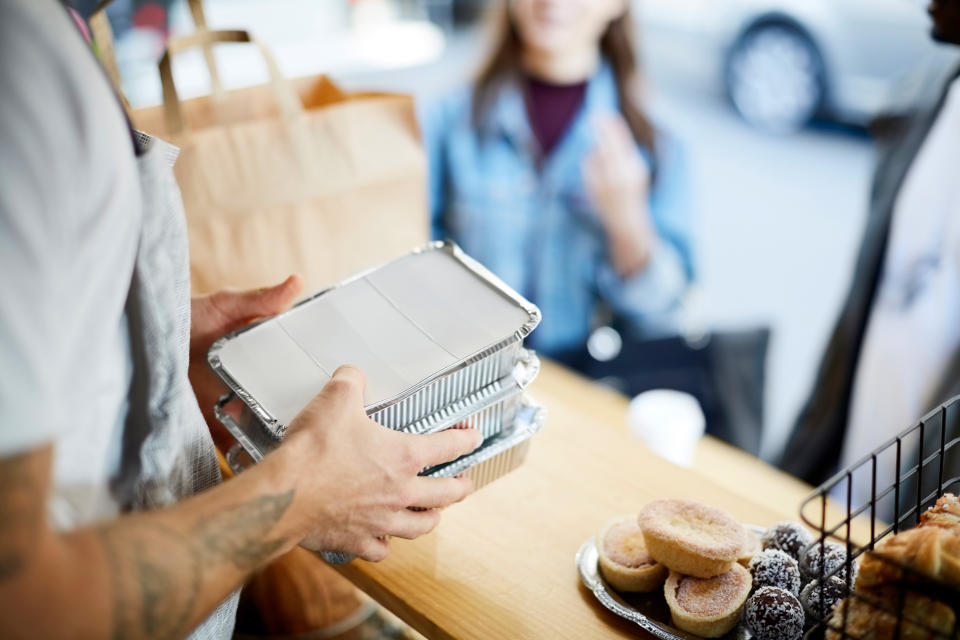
(617, 181)
(217, 314)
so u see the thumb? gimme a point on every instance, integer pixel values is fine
(345, 386)
(266, 301)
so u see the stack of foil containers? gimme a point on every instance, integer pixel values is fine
(440, 340)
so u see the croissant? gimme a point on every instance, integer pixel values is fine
(931, 551)
(945, 513)
(922, 619)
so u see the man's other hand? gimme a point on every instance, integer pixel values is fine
(215, 315)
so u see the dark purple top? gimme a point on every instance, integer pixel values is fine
(551, 108)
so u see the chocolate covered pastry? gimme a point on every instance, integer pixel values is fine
(819, 601)
(775, 568)
(828, 560)
(774, 614)
(791, 537)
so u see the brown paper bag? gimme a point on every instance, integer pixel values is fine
(292, 176)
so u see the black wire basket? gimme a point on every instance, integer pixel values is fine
(883, 494)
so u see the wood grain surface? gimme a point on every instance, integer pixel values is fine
(501, 563)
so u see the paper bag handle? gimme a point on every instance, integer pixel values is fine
(287, 98)
(102, 35)
(200, 24)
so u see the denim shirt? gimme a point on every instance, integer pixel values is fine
(530, 221)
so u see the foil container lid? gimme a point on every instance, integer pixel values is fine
(405, 324)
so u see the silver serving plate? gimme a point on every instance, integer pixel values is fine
(648, 611)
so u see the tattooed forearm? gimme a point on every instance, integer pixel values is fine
(239, 533)
(22, 487)
(152, 575)
(158, 573)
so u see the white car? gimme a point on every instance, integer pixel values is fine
(782, 62)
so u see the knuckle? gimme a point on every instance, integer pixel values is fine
(351, 373)
(375, 550)
(382, 551)
(460, 443)
(431, 520)
(456, 491)
(410, 462)
(380, 529)
(368, 550)
(404, 499)
(394, 524)
(466, 487)
(337, 387)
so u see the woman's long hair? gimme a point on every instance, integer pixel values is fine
(616, 47)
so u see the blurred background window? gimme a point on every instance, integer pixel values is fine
(770, 98)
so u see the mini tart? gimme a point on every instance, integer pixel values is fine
(624, 560)
(751, 547)
(691, 538)
(708, 607)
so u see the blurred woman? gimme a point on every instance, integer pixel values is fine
(549, 171)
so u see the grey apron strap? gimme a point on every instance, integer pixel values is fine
(137, 426)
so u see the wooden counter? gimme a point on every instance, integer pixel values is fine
(501, 564)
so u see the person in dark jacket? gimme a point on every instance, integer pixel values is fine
(895, 350)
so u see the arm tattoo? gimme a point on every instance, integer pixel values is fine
(152, 597)
(238, 533)
(22, 504)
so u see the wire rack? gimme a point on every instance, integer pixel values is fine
(881, 495)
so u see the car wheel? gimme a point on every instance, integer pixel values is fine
(775, 77)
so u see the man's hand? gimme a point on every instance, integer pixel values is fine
(362, 477)
(617, 181)
(217, 314)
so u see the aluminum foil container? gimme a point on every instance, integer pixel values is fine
(500, 454)
(488, 410)
(427, 330)
(495, 458)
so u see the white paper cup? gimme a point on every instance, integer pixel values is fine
(670, 422)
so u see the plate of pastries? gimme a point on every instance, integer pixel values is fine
(681, 569)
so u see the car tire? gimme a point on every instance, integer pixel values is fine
(775, 77)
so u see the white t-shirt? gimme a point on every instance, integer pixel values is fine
(69, 223)
(79, 212)
(914, 326)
